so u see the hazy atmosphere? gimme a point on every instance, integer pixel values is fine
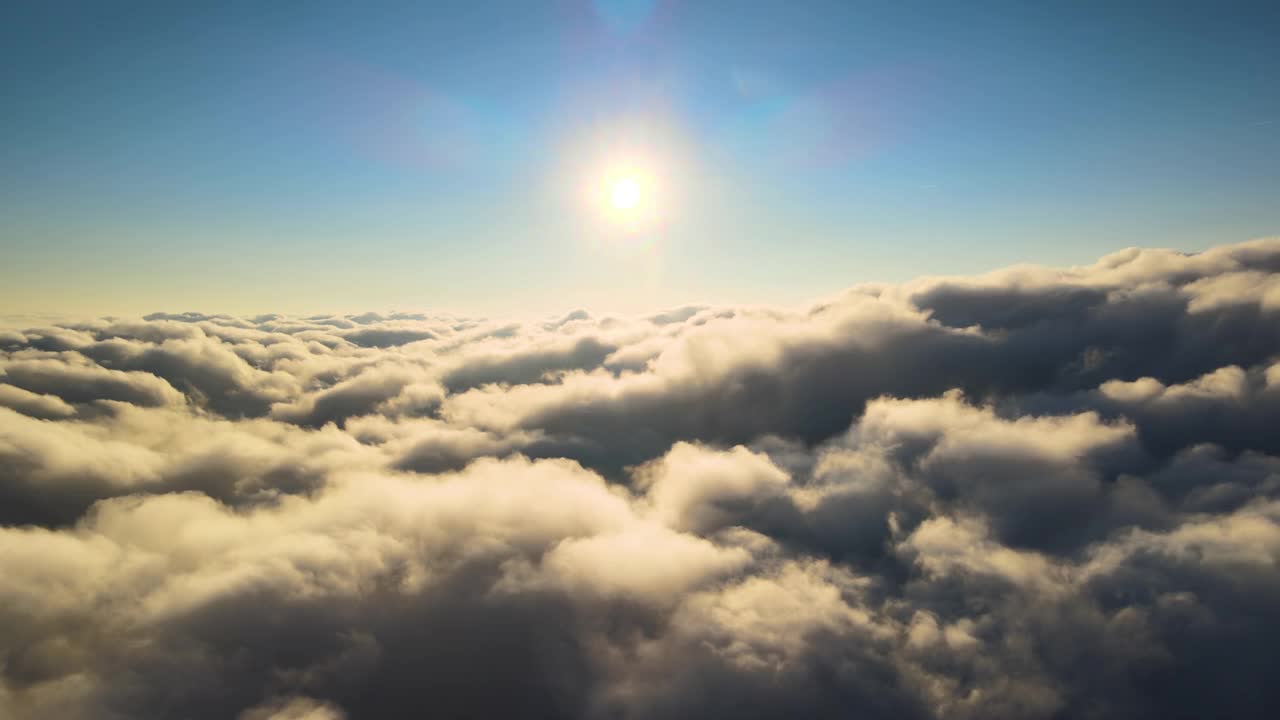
(639, 359)
(253, 157)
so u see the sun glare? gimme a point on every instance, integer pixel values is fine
(627, 196)
(625, 193)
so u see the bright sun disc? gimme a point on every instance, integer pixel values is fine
(625, 194)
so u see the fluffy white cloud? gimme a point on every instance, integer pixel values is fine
(1035, 493)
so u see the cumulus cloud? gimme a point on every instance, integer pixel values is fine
(46, 407)
(294, 708)
(1035, 493)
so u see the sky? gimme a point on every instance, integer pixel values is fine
(324, 157)
(643, 359)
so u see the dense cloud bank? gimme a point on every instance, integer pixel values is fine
(1037, 493)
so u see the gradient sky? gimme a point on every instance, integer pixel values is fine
(298, 157)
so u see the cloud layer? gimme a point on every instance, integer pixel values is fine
(1036, 493)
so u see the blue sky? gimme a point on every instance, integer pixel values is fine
(248, 157)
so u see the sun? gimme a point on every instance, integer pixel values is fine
(627, 197)
(624, 194)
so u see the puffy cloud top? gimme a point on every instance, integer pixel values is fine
(1035, 493)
